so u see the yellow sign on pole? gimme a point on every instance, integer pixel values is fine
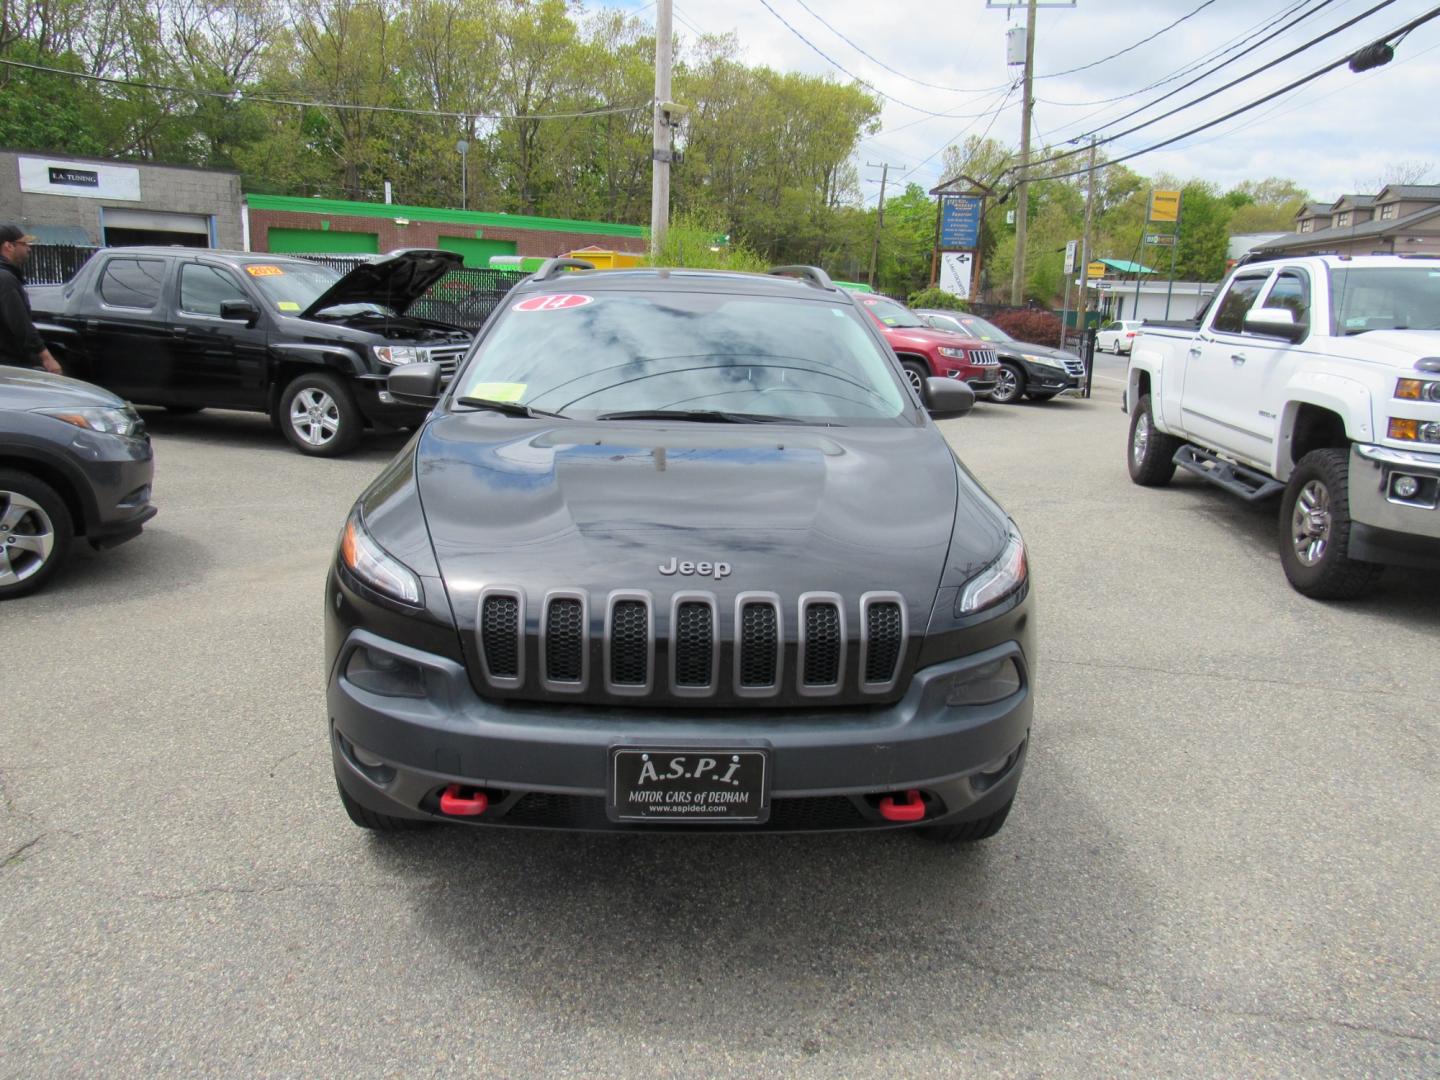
(1095, 269)
(1164, 206)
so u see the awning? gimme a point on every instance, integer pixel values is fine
(1124, 266)
(73, 235)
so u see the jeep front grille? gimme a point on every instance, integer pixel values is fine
(983, 357)
(690, 635)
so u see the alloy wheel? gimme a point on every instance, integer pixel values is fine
(916, 381)
(27, 537)
(1311, 522)
(1141, 441)
(1007, 386)
(314, 416)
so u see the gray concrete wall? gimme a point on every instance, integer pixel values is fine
(163, 188)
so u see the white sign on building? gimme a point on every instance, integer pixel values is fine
(79, 179)
(956, 272)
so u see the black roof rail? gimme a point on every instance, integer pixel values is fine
(812, 274)
(551, 267)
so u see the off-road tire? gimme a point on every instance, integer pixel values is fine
(1009, 385)
(369, 819)
(1149, 455)
(1322, 481)
(334, 405)
(968, 832)
(52, 520)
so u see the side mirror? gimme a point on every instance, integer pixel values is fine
(239, 311)
(1275, 322)
(415, 384)
(948, 398)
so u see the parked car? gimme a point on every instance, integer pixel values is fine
(1117, 337)
(926, 353)
(1026, 370)
(193, 329)
(679, 549)
(1317, 380)
(75, 461)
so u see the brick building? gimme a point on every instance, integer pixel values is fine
(283, 223)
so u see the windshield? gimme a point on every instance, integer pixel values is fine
(1386, 298)
(291, 287)
(589, 355)
(986, 331)
(892, 314)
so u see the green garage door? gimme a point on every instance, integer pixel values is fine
(310, 241)
(476, 252)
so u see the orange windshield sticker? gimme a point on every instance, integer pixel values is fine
(263, 270)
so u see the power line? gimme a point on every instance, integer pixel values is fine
(1128, 48)
(880, 63)
(1341, 62)
(997, 111)
(869, 86)
(238, 96)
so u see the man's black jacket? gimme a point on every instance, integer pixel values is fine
(19, 342)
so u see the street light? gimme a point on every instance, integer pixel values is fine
(462, 148)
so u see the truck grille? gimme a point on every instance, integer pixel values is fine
(448, 357)
(983, 357)
(690, 643)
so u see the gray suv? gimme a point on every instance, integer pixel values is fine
(74, 461)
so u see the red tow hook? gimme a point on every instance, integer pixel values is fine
(453, 802)
(912, 809)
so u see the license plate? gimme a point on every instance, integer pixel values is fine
(689, 785)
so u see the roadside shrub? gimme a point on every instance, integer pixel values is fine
(937, 298)
(1036, 327)
(689, 240)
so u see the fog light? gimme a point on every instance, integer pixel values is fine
(986, 684)
(1406, 486)
(381, 673)
(366, 758)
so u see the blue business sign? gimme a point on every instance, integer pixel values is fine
(959, 222)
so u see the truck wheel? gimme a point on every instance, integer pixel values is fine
(1315, 530)
(369, 819)
(36, 533)
(968, 832)
(1009, 385)
(917, 374)
(319, 416)
(1151, 458)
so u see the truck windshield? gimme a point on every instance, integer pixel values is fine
(686, 352)
(1385, 298)
(292, 286)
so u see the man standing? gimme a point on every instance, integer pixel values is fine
(20, 344)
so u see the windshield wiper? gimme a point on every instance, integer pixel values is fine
(699, 415)
(509, 408)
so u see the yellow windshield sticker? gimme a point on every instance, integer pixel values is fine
(288, 305)
(498, 391)
(263, 270)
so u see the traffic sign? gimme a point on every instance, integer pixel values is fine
(1070, 247)
(1163, 239)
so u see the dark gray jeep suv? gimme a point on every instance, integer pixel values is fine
(74, 461)
(679, 550)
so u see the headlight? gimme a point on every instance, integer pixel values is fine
(1047, 361)
(998, 580)
(394, 355)
(954, 354)
(1417, 390)
(124, 421)
(375, 566)
(1415, 430)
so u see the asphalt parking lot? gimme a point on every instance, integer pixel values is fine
(1223, 860)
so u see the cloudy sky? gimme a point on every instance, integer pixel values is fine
(1335, 134)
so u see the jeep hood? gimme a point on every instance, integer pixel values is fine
(602, 506)
(395, 281)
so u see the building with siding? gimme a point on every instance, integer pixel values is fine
(1404, 219)
(284, 223)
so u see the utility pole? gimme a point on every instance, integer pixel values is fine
(884, 168)
(660, 153)
(1085, 254)
(1022, 189)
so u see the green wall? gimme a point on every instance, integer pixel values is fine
(317, 240)
(476, 252)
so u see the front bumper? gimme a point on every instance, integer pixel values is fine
(1041, 378)
(1388, 528)
(547, 766)
(119, 471)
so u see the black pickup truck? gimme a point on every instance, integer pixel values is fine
(194, 329)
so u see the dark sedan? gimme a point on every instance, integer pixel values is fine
(74, 461)
(1026, 370)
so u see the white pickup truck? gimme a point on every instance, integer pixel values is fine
(1316, 379)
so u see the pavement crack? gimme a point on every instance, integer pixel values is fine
(18, 854)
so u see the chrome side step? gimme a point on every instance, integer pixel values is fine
(1250, 484)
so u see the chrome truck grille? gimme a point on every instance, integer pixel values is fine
(983, 357)
(447, 356)
(688, 646)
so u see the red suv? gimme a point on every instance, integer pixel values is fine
(925, 352)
